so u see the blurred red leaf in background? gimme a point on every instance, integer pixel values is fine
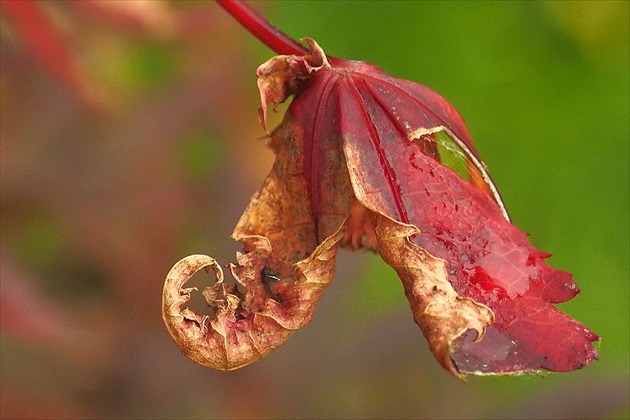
(45, 42)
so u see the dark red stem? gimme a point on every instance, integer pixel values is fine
(262, 29)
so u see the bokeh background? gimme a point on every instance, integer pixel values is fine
(155, 153)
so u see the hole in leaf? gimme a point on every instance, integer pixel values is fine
(197, 302)
(451, 155)
(202, 281)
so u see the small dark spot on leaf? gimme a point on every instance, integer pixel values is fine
(269, 277)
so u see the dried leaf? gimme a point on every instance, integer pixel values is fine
(368, 161)
(280, 276)
(245, 327)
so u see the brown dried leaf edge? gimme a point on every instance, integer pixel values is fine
(234, 338)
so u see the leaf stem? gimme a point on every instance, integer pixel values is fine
(260, 27)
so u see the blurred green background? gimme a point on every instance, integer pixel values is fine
(96, 207)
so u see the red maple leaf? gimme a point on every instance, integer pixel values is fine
(359, 164)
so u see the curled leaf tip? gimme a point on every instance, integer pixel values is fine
(251, 319)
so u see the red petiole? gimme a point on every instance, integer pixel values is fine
(260, 27)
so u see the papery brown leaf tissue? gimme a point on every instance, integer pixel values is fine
(359, 163)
